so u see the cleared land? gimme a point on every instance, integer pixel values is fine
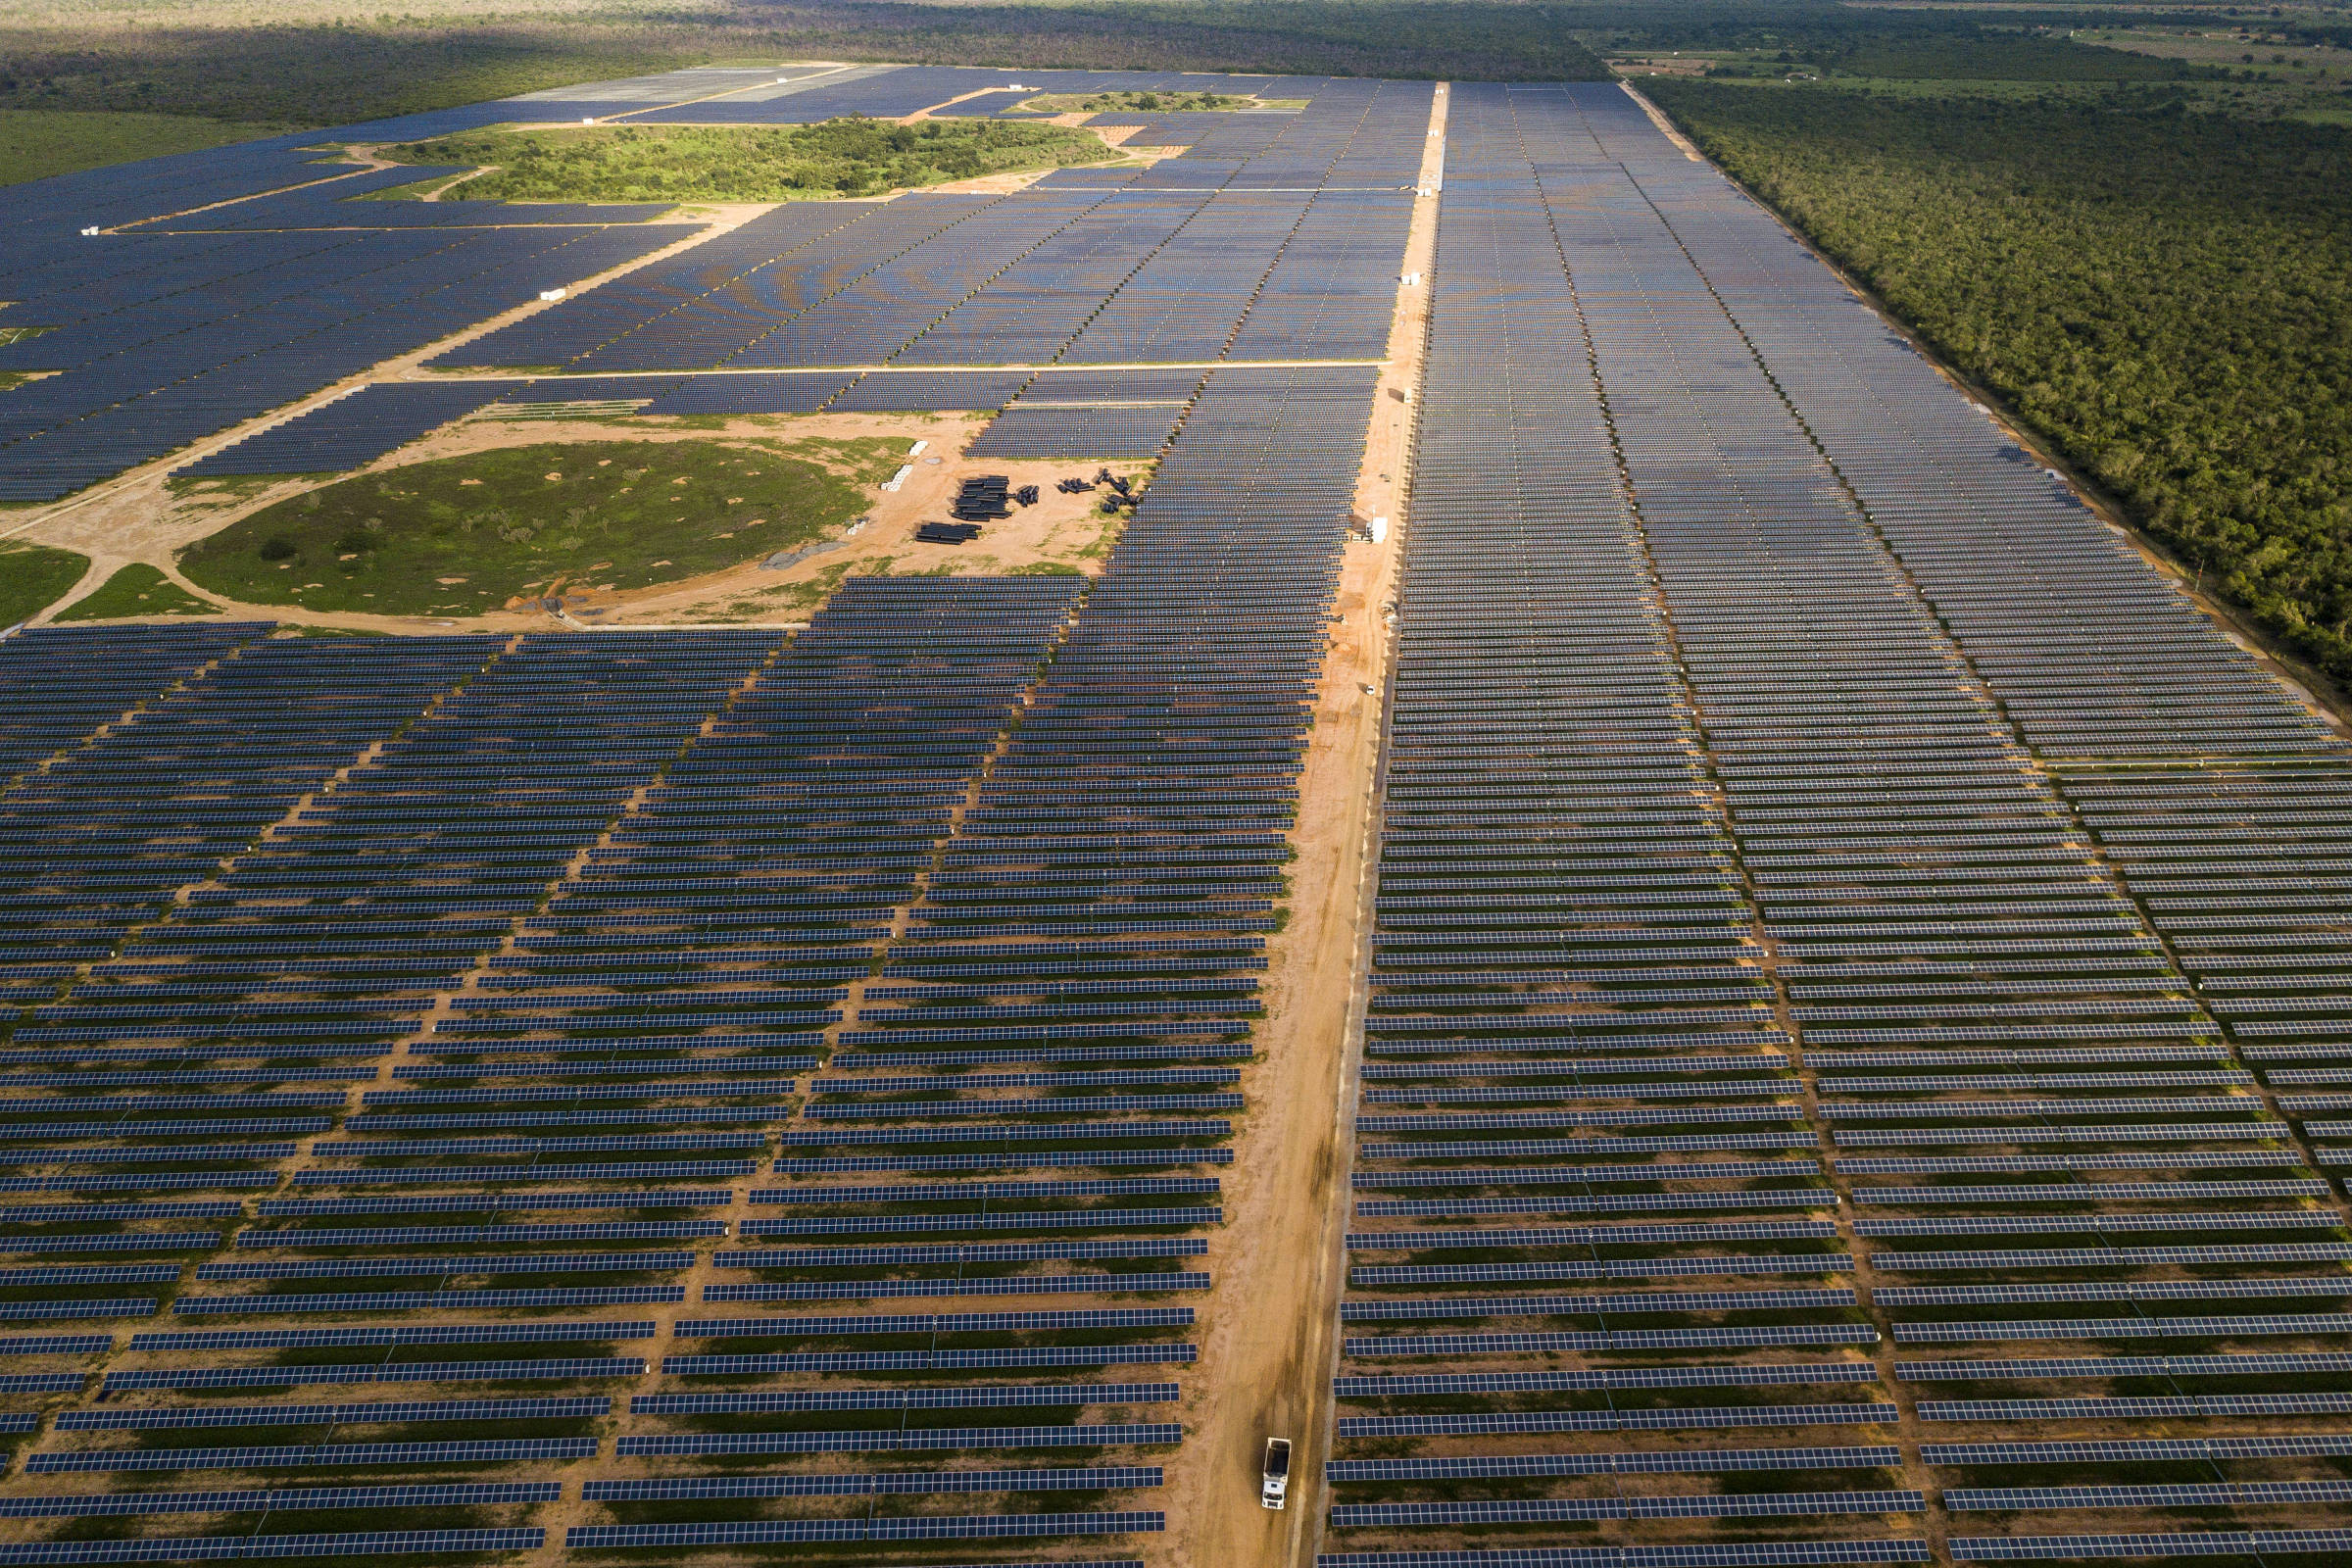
(465, 534)
(849, 157)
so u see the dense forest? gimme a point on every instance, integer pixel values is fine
(1985, 55)
(849, 157)
(1900, 40)
(2166, 295)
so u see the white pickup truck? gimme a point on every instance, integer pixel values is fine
(1277, 1478)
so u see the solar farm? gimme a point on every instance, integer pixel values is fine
(1608, 907)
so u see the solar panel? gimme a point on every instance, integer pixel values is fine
(2224, 1495)
(201, 1549)
(2130, 1409)
(2137, 1450)
(901, 1439)
(1614, 1339)
(2078, 1224)
(1735, 1375)
(872, 1362)
(427, 1264)
(2113, 1290)
(229, 1377)
(2121, 1328)
(546, 1409)
(1671, 1461)
(314, 1455)
(929, 1527)
(881, 1483)
(2160, 1543)
(2110, 1256)
(457, 1493)
(1550, 1510)
(937, 1322)
(1728, 1555)
(2123, 1366)
(903, 1399)
(1613, 1302)
(411, 1301)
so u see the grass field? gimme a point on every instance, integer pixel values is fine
(136, 590)
(35, 143)
(32, 576)
(465, 534)
(748, 163)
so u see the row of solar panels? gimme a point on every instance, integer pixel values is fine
(724, 716)
(1663, 689)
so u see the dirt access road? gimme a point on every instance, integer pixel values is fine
(1266, 1345)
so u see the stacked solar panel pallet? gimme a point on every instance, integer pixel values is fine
(1803, 871)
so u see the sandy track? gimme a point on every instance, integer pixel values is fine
(1266, 1347)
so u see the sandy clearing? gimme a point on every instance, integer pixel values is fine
(1266, 1343)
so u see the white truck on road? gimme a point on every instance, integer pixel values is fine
(1277, 1476)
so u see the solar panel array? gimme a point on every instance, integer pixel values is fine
(271, 282)
(164, 330)
(350, 433)
(1814, 853)
(1275, 237)
(1725, 622)
(463, 938)
(427, 870)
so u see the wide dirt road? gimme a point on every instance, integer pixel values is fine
(1266, 1349)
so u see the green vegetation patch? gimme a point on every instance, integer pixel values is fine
(1080, 103)
(32, 576)
(466, 533)
(35, 143)
(1986, 56)
(2161, 294)
(847, 157)
(136, 590)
